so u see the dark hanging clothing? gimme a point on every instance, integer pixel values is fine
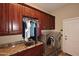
(24, 26)
(35, 32)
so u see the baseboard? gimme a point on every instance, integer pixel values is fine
(67, 54)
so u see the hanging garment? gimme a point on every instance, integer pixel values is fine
(35, 31)
(24, 26)
(32, 28)
(37, 26)
(27, 31)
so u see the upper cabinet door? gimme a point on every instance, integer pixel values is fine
(26, 11)
(4, 19)
(32, 12)
(43, 21)
(39, 16)
(20, 16)
(52, 22)
(15, 23)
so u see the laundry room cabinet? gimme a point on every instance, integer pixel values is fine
(10, 19)
(33, 51)
(15, 22)
(11, 15)
(4, 21)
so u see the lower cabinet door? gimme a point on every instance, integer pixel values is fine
(35, 51)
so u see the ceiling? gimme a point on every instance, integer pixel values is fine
(47, 7)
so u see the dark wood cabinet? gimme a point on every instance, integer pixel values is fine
(15, 22)
(11, 18)
(26, 11)
(32, 11)
(43, 21)
(34, 51)
(51, 22)
(3, 19)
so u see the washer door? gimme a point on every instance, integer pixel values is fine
(48, 41)
(51, 41)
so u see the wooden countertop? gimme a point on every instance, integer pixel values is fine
(16, 49)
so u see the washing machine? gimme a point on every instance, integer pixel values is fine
(52, 42)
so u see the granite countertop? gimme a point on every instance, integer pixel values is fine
(17, 48)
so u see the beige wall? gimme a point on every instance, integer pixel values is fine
(68, 11)
(10, 38)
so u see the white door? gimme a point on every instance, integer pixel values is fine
(71, 36)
